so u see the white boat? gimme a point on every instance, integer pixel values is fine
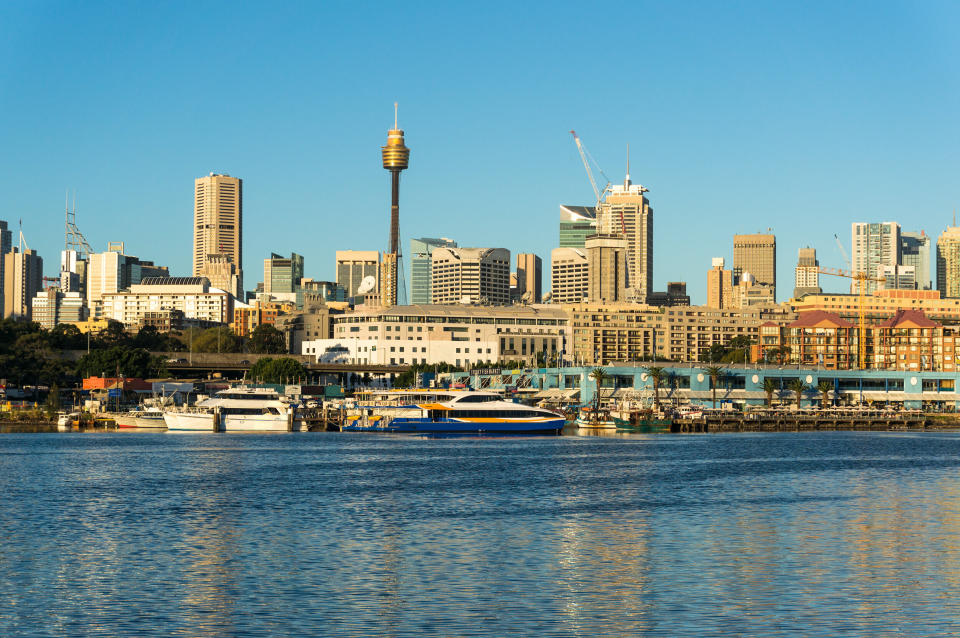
(65, 421)
(143, 418)
(240, 409)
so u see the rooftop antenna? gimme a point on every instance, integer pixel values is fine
(395, 127)
(628, 165)
(73, 238)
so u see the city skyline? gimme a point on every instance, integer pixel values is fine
(730, 143)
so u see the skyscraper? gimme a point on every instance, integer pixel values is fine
(6, 243)
(282, 274)
(396, 158)
(530, 276)
(576, 224)
(112, 271)
(915, 251)
(421, 251)
(217, 221)
(353, 266)
(22, 279)
(756, 254)
(807, 273)
(874, 246)
(948, 262)
(607, 263)
(627, 212)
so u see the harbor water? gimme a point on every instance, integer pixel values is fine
(785, 534)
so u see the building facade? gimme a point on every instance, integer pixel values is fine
(22, 280)
(874, 246)
(217, 221)
(454, 334)
(223, 274)
(190, 295)
(421, 269)
(470, 276)
(720, 285)
(756, 254)
(6, 245)
(282, 274)
(569, 277)
(915, 251)
(353, 266)
(576, 224)
(948, 262)
(113, 271)
(52, 307)
(530, 277)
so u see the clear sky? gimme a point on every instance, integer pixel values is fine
(740, 116)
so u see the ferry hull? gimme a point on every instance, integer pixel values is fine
(139, 422)
(451, 426)
(201, 422)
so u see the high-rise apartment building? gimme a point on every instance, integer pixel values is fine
(874, 246)
(627, 212)
(756, 254)
(282, 274)
(52, 307)
(720, 285)
(6, 244)
(899, 277)
(948, 262)
(217, 221)
(353, 266)
(807, 274)
(471, 276)
(576, 224)
(915, 251)
(607, 268)
(569, 275)
(530, 277)
(22, 279)
(421, 252)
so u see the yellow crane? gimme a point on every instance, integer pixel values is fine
(861, 278)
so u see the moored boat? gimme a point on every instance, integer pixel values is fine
(240, 409)
(141, 418)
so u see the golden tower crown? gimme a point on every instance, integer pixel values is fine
(396, 156)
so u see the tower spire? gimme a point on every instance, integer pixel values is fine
(395, 127)
(396, 157)
(627, 181)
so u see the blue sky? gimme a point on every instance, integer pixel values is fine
(740, 116)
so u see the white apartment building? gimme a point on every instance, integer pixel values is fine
(470, 276)
(192, 296)
(455, 334)
(874, 246)
(569, 275)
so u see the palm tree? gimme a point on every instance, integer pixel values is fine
(657, 374)
(770, 385)
(599, 375)
(798, 386)
(715, 373)
(824, 387)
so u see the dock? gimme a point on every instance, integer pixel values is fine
(786, 421)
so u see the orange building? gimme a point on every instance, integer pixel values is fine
(246, 320)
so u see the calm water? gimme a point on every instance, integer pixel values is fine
(814, 534)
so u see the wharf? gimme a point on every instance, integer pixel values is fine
(323, 419)
(785, 421)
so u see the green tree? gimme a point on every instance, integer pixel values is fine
(282, 370)
(657, 375)
(798, 386)
(770, 385)
(216, 339)
(122, 360)
(53, 399)
(715, 373)
(824, 387)
(599, 375)
(266, 339)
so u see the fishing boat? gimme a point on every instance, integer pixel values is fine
(644, 421)
(240, 409)
(590, 418)
(151, 417)
(448, 412)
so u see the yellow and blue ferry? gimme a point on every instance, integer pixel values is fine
(447, 412)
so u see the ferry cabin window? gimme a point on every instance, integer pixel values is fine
(478, 398)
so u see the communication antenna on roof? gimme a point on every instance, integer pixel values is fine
(73, 238)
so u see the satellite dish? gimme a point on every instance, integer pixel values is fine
(367, 284)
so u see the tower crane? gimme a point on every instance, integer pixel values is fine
(599, 194)
(860, 279)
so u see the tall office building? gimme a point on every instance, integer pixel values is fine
(530, 277)
(874, 246)
(353, 266)
(22, 279)
(720, 285)
(948, 262)
(6, 244)
(569, 275)
(756, 254)
(471, 276)
(627, 212)
(223, 274)
(421, 252)
(608, 267)
(915, 251)
(576, 224)
(282, 274)
(217, 221)
(807, 274)
(897, 277)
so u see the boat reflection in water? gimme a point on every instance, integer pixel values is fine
(448, 412)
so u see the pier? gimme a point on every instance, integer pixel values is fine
(796, 421)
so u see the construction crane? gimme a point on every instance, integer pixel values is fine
(597, 193)
(861, 279)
